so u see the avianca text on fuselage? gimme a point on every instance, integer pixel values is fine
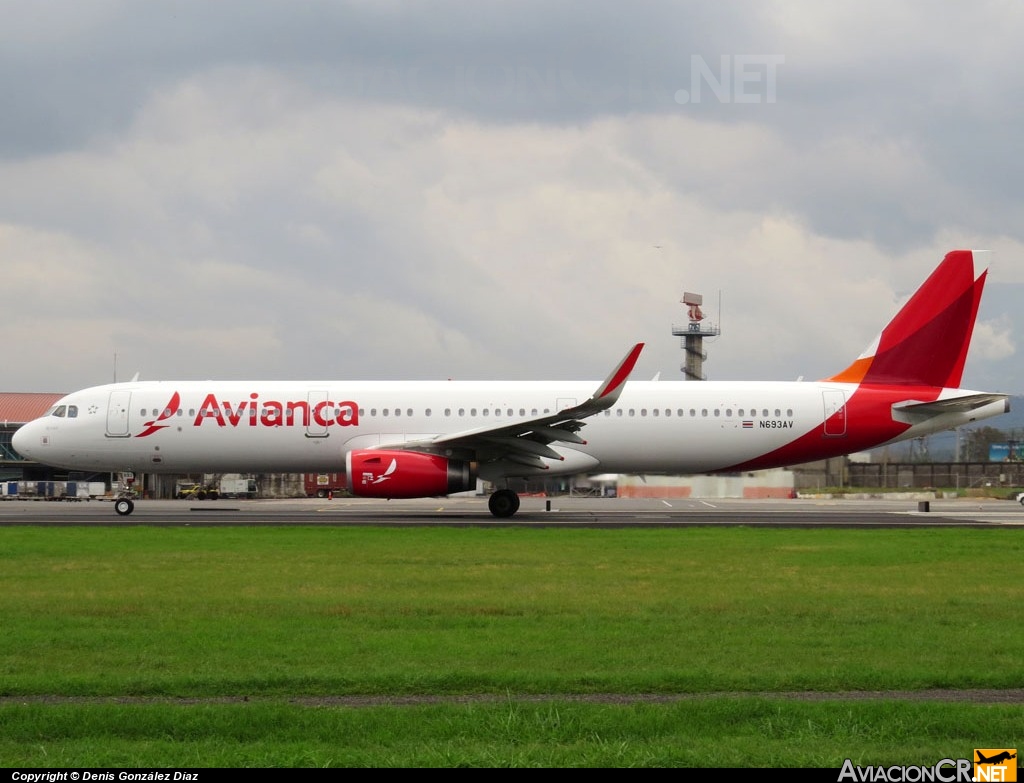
(265, 413)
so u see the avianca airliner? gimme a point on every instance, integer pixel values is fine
(426, 439)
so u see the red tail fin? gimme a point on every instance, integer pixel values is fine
(926, 343)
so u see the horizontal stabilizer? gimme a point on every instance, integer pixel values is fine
(913, 411)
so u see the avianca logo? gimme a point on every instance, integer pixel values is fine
(171, 409)
(370, 478)
(260, 413)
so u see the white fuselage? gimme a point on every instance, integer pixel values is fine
(655, 427)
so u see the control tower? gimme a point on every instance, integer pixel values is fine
(693, 335)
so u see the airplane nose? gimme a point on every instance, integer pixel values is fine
(24, 440)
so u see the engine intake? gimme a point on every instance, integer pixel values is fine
(406, 474)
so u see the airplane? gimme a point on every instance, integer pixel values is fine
(405, 439)
(996, 759)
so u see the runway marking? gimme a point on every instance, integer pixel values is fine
(667, 503)
(709, 505)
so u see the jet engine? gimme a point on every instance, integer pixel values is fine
(406, 474)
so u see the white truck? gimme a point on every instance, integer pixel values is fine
(237, 487)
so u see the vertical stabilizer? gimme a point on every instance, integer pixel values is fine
(926, 343)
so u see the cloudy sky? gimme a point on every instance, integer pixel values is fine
(378, 189)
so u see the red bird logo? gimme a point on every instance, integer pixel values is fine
(170, 410)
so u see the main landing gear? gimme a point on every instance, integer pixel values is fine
(503, 503)
(124, 506)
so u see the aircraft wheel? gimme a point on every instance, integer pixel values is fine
(123, 506)
(503, 503)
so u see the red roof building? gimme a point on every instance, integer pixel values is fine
(18, 408)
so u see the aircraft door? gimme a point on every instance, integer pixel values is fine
(318, 429)
(835, 413)
(117, 414)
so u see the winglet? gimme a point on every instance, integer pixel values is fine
(614, 383)
(608, 392)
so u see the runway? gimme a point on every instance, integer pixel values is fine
(538, 512)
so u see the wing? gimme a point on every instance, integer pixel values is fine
(527, 441)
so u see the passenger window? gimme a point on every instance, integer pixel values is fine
(789, 412)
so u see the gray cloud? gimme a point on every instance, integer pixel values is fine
(512, 190)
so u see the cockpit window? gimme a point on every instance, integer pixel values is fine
(60, 411)
(72, 411)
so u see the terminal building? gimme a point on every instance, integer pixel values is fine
(17, 409)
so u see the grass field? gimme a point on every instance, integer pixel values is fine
(189, 646)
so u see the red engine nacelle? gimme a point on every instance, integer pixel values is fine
(406, 474)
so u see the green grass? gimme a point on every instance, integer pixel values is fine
(273, 613)
(741, 732)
